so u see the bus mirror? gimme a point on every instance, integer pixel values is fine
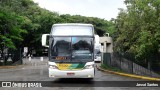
(44, 39)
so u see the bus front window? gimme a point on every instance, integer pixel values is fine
(60, 49)
(72, 49)
(82, 49)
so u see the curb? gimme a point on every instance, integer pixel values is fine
(129, 75)
(8, 67)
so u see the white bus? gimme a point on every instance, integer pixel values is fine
(71, 50)
(97, 51)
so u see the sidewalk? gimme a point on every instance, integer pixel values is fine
(128, 75)
(31, 61)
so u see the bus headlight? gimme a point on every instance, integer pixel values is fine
(53, 67)
(89, 66)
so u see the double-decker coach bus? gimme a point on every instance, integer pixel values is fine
(71, 50)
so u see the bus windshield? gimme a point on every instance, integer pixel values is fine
(71, 49)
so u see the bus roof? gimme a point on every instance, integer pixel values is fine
(72, 24)
(72, 29)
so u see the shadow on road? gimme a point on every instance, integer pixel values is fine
(74, 80)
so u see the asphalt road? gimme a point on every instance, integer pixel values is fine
(37, 70)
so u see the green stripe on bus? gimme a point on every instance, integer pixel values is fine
(81, 65)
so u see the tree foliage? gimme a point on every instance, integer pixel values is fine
(22, 22)
(138, 29)
(11, 29)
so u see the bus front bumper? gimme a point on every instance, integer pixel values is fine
(85, 73)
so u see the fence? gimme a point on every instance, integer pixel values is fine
(129, 66)
(11, 57)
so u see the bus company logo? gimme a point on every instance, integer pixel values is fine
(6, 84)
(21, 84)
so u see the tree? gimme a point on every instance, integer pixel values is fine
(10, 32)
(22, 22)
(138, 29)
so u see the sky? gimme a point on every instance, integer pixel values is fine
(104, 9)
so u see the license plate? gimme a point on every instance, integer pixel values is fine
(70, 74)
